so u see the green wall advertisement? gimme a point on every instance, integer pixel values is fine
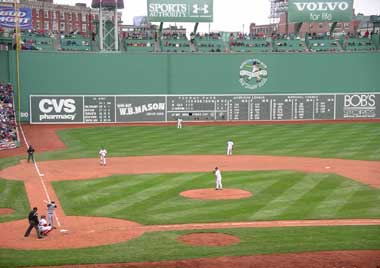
(180, 10)
(320, 11)
(97, 74)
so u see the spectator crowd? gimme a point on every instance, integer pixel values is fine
(8, 132)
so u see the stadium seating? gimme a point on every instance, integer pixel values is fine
(208, 42)
(36, 41)
(140, 40)
(8, 131)
(174, 42)
(322, 43)
(289, 45)
(244, 43)
(75, 42)
(357, 44)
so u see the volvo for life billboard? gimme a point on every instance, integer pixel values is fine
(180, 10)
(320, 11)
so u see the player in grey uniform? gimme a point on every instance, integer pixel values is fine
(51, 207)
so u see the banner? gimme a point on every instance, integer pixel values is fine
(8, 18)
(320, 11)
(180, 10)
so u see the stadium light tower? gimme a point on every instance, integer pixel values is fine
(108, 27)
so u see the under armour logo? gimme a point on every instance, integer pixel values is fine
(196, 9)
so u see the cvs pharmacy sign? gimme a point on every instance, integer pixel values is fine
(56, 109)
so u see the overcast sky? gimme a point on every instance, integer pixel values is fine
(228, 15)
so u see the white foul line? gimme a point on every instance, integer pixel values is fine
(40, 175)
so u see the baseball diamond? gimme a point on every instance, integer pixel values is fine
(147, 203)
(153, 145)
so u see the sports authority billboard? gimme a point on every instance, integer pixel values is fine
(320, 11)
(8, 17)
(180, 10)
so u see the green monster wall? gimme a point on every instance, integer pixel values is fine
(57, 73)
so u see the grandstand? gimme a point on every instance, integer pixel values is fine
(140, 40)
(74, 42)
(8, 130)
(208, 42)
(240, 42)
(350, 43)
(38, 41)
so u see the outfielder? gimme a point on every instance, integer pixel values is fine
(230, 147)
(218, 177)
(102, 155)
(179, 122)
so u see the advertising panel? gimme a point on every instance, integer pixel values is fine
(140, 108)
(180, 10)
(56, 109)
(8, 17)
(320, 11)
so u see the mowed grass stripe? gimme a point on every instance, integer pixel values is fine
(336, 200)
(363, 201)
(277, 195)
(344, 140)
(307, 203)
(282, 202)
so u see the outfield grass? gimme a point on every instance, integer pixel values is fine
(277, 195)
(160, 246)
(344, 140)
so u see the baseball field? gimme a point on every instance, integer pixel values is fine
(295, 195)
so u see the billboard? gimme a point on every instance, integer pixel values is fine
(8, 17)
(167, 108)
(320, 11)
(180, 10)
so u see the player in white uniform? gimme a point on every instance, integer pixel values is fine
(230, 146)
(51, 207)
(43, 226)
(102, 155)
(179, 122)
(218, 177)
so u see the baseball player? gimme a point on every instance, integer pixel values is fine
(218, 177)
(43, 226)
(230, 147)
(179, 122)
(102, 155)
(51, 207)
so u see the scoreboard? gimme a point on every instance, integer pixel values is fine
(167, 108)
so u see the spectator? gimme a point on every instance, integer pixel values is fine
(8, 133)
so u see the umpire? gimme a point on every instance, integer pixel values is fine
(33, 223)
(30, 152)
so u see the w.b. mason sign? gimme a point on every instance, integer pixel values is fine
(320, 11)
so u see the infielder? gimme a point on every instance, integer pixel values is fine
(218, 177)
(102, 155)
(230, 147)
(179, 122)
(51, 207)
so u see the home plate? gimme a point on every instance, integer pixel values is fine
(64, 231)
(327, 167)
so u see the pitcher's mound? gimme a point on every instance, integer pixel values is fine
(212, 194)
(209, 239)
